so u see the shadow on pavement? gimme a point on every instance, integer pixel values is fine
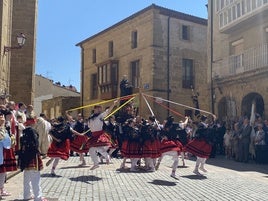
(86, 179)
(49, 199)
(163, 183)
(194, 177)
(221, 161)
(74, 166)
(50, 175)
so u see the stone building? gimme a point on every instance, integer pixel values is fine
(238, 57)
(50, 97)
(18, 65)
(163, 53)
(57, 106)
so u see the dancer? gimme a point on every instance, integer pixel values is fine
(200, 146)
(61, 134)
(131, 147)
(78, 144)
(99, 140)
(111, 128)
(150, 143)
(170, 145)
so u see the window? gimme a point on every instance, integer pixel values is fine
(236, 60)
(185, 32)
(94, 56)
(187, 73)
(111, 49)
(104, 74)
(134, 39)
(94, 86)
(108, 78)
(108, 73)
(135, 73)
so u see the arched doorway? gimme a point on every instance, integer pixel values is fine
(227, 109)
(247, 101)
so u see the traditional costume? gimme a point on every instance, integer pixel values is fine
(99, 141)
(31, 164)
(201, 146)
(60, 147)
(132, 146)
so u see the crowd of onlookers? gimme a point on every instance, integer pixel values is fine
(243, 140)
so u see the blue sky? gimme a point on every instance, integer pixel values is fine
(64, 23)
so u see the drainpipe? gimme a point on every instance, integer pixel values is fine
(82, 79)
(211, 58)
(168, 65)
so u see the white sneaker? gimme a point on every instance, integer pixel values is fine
(203, 169)
(197, 173)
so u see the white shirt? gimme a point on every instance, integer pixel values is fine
(96, 124)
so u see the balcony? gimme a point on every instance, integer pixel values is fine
(108, 91)
(241, 13)
(251, 59)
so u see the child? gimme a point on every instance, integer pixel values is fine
(227, 144)
(30, 162)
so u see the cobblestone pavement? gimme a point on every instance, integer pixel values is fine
(225, 180)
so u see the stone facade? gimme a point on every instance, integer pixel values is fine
(5, 40)
(57, 106)
(154, 66)
(239, 57)
(18, 65)
(22, 63)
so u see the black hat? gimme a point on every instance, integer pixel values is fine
(21, 104)
(203, 117)
(170, 118)
(152, 118)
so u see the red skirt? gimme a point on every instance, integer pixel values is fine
(198, 147)
(59, 150)
(10, 162)
(170, 145)
(151, 149)
(131, 149)
(80, 144)
(99, 139)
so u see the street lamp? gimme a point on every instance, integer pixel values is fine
(20, 40)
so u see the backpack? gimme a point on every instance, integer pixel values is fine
(29, 147)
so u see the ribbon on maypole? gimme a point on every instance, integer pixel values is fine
(102, 102)
(82, 146)
(121, 106)
(152, 113)
(182, 105)
(166, 107)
